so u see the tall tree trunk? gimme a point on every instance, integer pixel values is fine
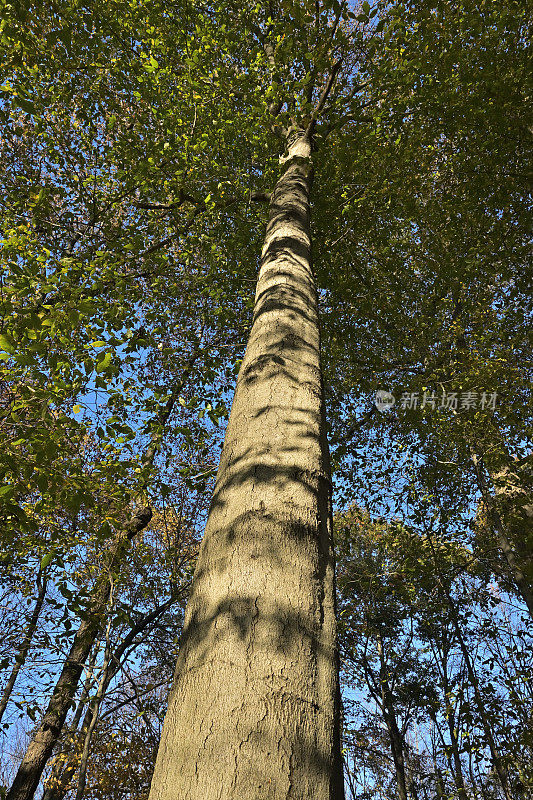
(56, 776)
(21, 656)
(254, 711)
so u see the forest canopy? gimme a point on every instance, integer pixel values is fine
(315, 216)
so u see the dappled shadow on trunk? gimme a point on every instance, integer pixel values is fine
(256, 688)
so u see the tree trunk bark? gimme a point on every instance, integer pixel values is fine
(254, 711)
(26, 642)
(40, 748)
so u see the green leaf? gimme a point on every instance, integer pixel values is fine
(25, 105)
(104, 363)
(45, 561)
(6, 344)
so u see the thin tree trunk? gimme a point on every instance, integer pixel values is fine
(395, 737)
(440, 784)
(450, 720)
(55, 781)
(62, 780)
(40, 748)
(474, 781)
(397, 754)
(498, 765)
(411, 769)
(22, 654)
(254, 711)
(522, 583)
(44, 740)
(487, 729)
(95, 709)
(454, 746)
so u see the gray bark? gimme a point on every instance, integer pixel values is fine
(254, 711)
